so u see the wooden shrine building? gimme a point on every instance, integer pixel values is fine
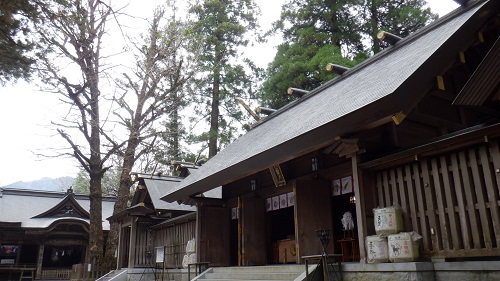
(417, 125)
(150, 223)
(44, 233)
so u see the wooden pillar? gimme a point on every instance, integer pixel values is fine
(357, 177)
(39, 262)
(240, 234)
(132, 248)
(19, 249)
(119, 257)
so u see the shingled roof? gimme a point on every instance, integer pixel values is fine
(40, 209)
(365, 96)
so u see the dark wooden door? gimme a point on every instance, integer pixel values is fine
(253, 238)
(312, 212)
(213, 235)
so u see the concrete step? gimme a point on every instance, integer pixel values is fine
(243, 280)
(269, 268)
(115, 275)
(253, 273)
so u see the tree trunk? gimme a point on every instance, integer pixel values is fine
(95, 233)
(95, 165)
(176, 150)
(123, 195)
(214, 116)
(374, 26)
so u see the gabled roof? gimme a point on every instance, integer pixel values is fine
(67, 207)
(363, 97)
(156, 188)
(41, 209)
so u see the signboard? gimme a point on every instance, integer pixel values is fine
(160, 254)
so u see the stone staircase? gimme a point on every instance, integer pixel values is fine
(115, 275)
(254, 273)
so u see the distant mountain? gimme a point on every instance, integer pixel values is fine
(48, 184)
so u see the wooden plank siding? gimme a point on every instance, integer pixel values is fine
(142, 245)
(451, 199)
(174, 238)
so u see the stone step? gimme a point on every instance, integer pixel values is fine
(270, 268)
(252, 275)
(243, 280)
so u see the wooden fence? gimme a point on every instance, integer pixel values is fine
(451, 199)
(56, 274)
(88, 272)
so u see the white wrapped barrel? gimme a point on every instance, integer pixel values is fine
(388, 220)
(376, 249)
(403, 247)
(185, 261)
(192, 258)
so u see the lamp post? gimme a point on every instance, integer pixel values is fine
(324, 236)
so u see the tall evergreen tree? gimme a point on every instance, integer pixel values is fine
(314, 33)
(15, 61)
(322, 22)
(400, 17)
(224, 27)
(331, 31)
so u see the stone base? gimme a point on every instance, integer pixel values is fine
(420, 271)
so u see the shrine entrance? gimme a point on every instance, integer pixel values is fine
(281, 235)
(344, 219)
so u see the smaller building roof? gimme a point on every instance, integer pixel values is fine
(158, 187)
(38, 209)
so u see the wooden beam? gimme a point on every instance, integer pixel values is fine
(398, 117)
(339, 69)
(41, 249)
(480, 37)
(388, 37)
(461, 56)
(360, 206)
(440, 83)
(265, 110)
(254, 115)
(435, 122)
(297, 92)
(346, 147)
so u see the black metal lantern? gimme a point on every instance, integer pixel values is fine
(324, 236)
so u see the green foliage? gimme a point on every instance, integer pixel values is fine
(15, 61)
(223, 26)
(317, 32)
(82, 182)
(299, 67)
(400, 17)
(322, 22)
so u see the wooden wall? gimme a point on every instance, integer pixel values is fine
(174, 238)
(143, 243)
(450, 199)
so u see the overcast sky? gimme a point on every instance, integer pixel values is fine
(26, 113)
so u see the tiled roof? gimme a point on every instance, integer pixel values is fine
(18, 205)
(370, 92)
